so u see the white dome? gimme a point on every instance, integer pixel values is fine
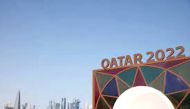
(143, 97)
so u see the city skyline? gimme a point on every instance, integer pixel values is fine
(48, 48)
(62, 104)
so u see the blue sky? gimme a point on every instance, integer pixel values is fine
(48, 48)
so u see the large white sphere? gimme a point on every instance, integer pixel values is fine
(143, 97)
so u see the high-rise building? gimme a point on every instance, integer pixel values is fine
(63, 103)
(57, 105)
(18, 105)
(50, 105)
(68, 105)
(75, 104)
(53, 105)
(17, 102)
(24, 106)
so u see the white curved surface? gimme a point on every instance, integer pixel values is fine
(143, 97)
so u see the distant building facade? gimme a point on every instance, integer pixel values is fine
(8, 107)
(64, 104)
(75, 104)
(18, 105)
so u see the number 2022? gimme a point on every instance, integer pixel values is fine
(160, 54)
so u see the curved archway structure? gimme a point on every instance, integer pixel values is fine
(171, 77)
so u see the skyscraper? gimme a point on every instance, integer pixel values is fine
(68, 105)
(57, 105)
(63, 103)
(24, 106)
(50, 105)
(17, 102)
(75, 104)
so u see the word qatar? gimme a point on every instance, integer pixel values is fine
(159, 55)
